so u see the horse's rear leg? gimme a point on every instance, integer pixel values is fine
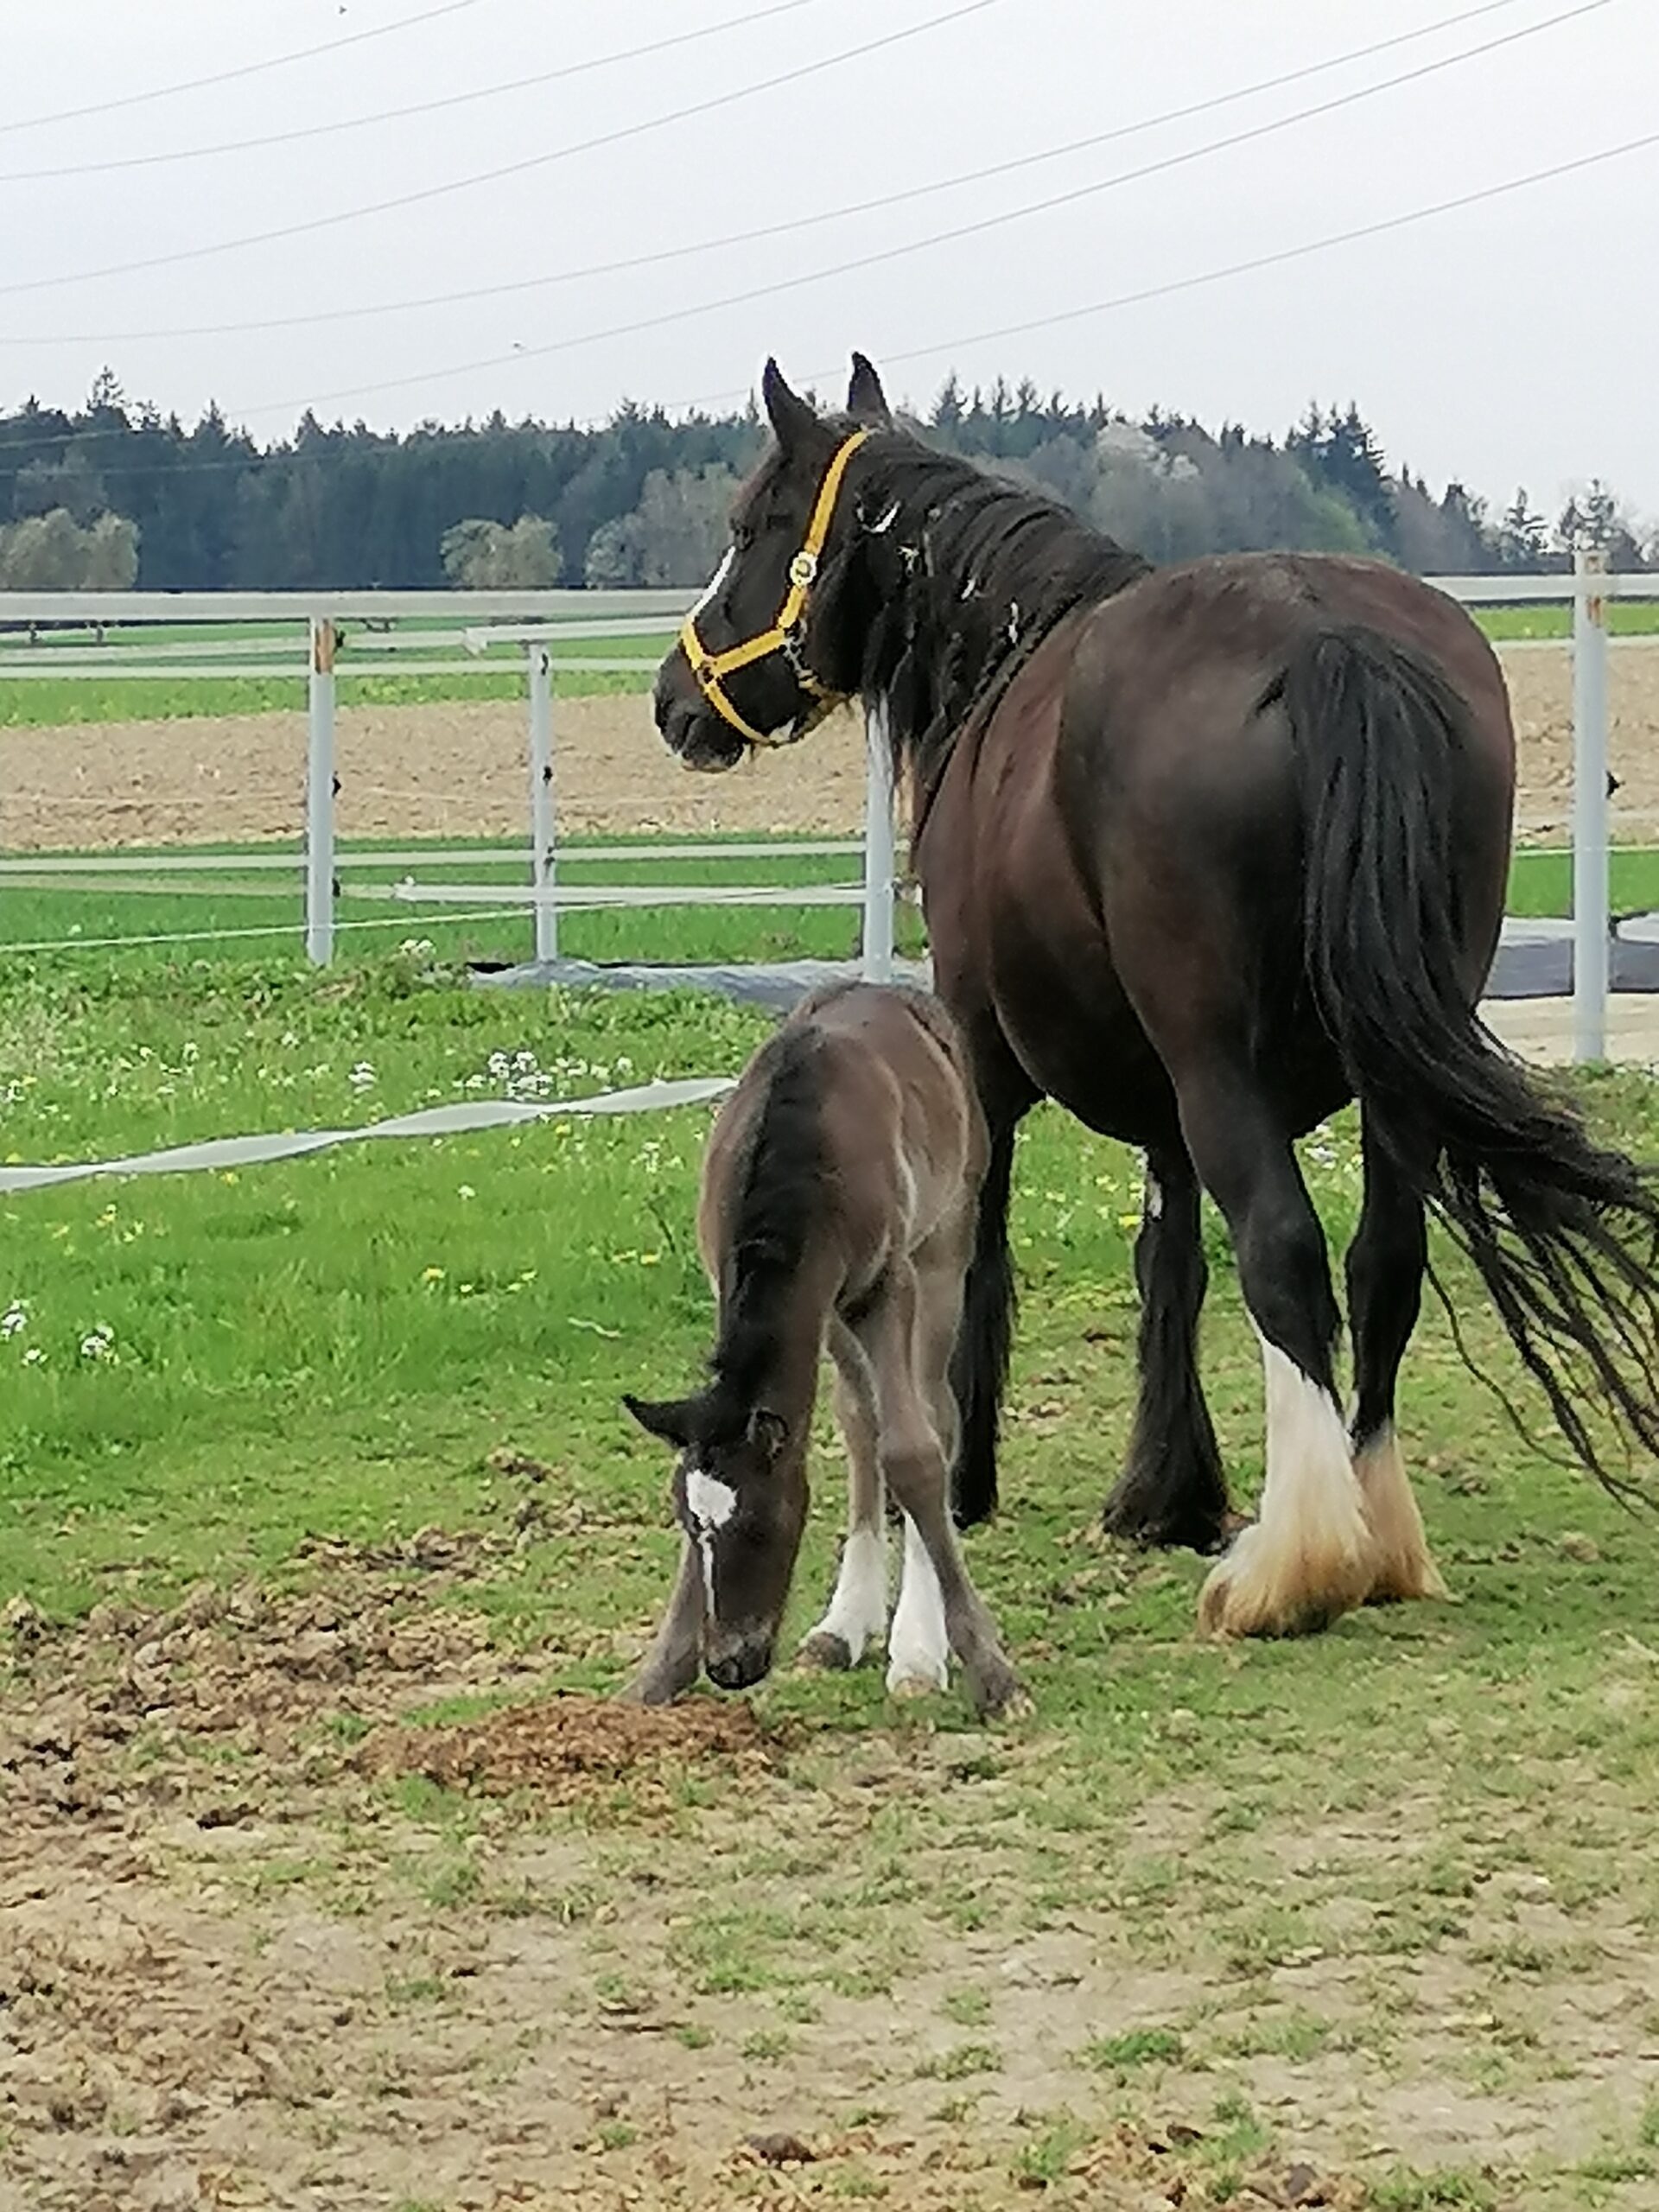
(1307, 1557)
(1385, 1268)
(907, 1337)
(858, 1611)
(1172, 1489)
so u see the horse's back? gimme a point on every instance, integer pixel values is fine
(898, 1134)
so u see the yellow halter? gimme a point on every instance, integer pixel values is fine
(711, 669)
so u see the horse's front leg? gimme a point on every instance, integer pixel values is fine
(1172, 1491)
(676, 1656)
(907, 1337)
(857, 1617)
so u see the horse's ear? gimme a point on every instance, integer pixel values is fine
(667, 1418)
(791, 417)
(866, 401)
(767, 1430)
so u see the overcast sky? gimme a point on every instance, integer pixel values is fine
(1510, 341)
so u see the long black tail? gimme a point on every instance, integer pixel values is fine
(979, 1366)
(1564, 1233)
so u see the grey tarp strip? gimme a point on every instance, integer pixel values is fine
(432, 1122)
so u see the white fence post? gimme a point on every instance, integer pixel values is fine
(878, 849)
(319, 799)
(544, 862)
(1589, 917)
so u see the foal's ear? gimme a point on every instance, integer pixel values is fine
(767, 1432)
(667, 1418)
(790, 416)
(866, 401)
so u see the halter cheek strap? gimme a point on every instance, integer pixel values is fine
(711, 669)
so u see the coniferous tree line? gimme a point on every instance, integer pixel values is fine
(114, 494)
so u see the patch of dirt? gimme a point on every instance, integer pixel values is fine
(236, 1971)
(458, 770)
(560, 1747)
(455, 770)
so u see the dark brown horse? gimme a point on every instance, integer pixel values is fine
(840, 1191)
(1205, 852)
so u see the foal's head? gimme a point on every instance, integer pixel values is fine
(740, 1493)
(755, 665)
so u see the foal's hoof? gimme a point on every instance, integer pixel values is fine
(909, 1687)
(824, 1652)
(1004, 1697)
(647, 1689)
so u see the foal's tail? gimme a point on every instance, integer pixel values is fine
(1563, 1232)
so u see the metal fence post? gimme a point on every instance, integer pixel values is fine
(543, 859)
(878, 849)
(320, 797)
(1589, 917)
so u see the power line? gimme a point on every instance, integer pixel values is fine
(1284, 254)
(420, 107)
(520, 168)
(975, 229)
(1163, 290)
(227, 76)
(660, 256)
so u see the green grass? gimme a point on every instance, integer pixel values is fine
(34, 912)
(1626, 618)
(51, 702)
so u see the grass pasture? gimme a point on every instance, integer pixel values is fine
(309, 1471)
(226, 916)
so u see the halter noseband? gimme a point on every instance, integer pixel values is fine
(711, 669)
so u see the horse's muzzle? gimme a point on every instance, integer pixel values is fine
(741, 1664)
(688, 725)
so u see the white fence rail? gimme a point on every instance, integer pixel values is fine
(536, 628)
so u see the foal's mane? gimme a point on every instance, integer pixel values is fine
(777, 1184)
(984, 569)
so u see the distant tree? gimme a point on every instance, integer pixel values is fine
(481, 555)
(69, 481)
(1594, 519)
(948, 408)
(52, 552)
(1523, 536)
(675, 536)
(110, 555)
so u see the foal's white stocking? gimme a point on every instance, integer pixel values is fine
(858, 1610)
(918, 1649)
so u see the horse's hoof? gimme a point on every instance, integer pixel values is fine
(908, 1687)
(1009, 1702)
(824, 1652)
(643, 1690)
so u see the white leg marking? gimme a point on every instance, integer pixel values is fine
(918, 1652)
(1401, 1567)
(858, 1610)
(1308, 1556)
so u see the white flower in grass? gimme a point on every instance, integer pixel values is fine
(15, 1318)
(34, 1356)
(362, 1076)
(499, 1066)
(100, 1343)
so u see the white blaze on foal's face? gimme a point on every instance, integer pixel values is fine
(710, 1504)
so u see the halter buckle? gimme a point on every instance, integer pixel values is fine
(803, 568)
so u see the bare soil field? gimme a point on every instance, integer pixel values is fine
(237, 1969)
(458, 770)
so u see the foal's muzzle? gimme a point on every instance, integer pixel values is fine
(741, 1663)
